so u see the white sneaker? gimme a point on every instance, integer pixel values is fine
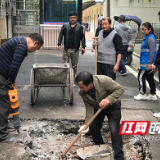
(151, 97)
(140, 97)
(156, 114)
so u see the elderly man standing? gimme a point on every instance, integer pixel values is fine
(101, 91)
(109, 50)
(12, 54)
(73, 34)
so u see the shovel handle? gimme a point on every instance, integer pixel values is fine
(95, 39)
(76, 138)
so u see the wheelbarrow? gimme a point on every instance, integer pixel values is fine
(51, 75)
(96, 152)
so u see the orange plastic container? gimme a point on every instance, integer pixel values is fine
(13, 96)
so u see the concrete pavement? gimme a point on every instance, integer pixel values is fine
(50, 99)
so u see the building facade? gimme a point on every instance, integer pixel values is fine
(91, 14)
(23, 17)
(147, 12)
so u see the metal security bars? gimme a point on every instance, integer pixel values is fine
(156, 27)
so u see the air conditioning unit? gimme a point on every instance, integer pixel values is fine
(99, 1)
(9, 7)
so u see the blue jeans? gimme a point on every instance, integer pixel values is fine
(122, 66)
(125, 48)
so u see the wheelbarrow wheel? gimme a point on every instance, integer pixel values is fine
(32, 87)
(71, 86)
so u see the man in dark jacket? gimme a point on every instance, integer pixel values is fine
(156, 66)
(12, 54)
(73, 33)
(157, 61)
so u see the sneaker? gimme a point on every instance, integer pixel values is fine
(151, 97)
(156, 114)
(123, 74)
(140, 97)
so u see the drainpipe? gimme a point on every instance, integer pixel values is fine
(79, 10)
(9, 26)
(108, 8)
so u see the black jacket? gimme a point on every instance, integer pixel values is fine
(157, 60)
(98, 30)
(79, 35)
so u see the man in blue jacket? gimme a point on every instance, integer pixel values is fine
(12, 54)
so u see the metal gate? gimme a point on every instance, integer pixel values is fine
(26, 20)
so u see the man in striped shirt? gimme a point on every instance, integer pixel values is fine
(12, 54)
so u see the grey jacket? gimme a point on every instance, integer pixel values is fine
(105, 87)
(125, 32)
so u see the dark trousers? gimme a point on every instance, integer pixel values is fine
(146, 75)
(106, 69)
(4, 108)
(114, 117)
(159, 73)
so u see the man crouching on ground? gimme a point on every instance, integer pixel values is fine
(101, 91)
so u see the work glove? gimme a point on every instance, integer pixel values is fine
(85, 131)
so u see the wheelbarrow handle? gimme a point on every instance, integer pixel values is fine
(76, 138)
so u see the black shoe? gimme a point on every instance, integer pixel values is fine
(11, 129)
(9, 139)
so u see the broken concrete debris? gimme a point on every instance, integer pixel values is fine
(46, 140)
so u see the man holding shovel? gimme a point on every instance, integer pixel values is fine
(100, 91)
(109, 50)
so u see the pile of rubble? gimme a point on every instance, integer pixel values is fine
(46, 140)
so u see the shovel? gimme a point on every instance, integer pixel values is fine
(95, 39)
(97, 152)
(76, 138)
